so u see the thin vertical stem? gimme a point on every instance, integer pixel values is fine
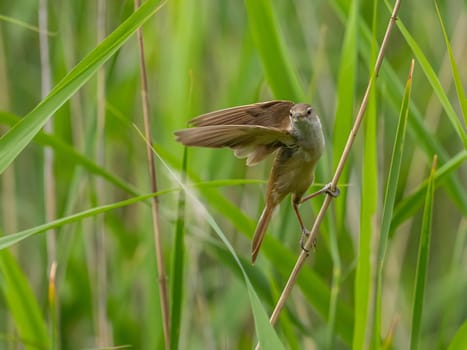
(340, 166)
(46, 85)
(52, 297)
(162, 277)
(48, 170)
(103, 326)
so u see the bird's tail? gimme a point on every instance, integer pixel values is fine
(260, 231)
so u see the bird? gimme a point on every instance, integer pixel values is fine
(292, 131)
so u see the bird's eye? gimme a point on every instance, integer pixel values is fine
(308, 111)
(291, 114)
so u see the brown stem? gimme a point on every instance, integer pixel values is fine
(340, 166)
(162, 277)
(104, 328)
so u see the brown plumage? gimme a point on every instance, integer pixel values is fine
(257, 130)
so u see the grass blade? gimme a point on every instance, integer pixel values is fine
(345, 101)
(406, 208)
(369, 205)
(178, 265)
(422, 261)
(276, 65)
(22, 304)
(14, 238)
(389, 199)
(267, 336)
(455, 71)
(460, 339)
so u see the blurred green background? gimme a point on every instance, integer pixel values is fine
(203, 55)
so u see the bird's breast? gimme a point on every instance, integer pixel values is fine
(292, 172)
(309, 138)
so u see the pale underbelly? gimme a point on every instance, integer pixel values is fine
(293, 172)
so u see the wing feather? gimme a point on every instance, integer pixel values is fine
(271, 114)
(252, 141)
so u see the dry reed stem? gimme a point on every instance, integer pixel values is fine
(162, 277)
(49, 175)
(104, 328)
(340, 166)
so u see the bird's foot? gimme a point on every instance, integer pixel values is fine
(333, 192)
(303, 239)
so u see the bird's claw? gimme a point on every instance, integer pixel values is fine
(305, 234)
(333, 192)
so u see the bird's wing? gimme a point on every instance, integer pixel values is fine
(271, 114)
(252, 141)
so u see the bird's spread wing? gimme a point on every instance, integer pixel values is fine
(253, 141)
(271, 114)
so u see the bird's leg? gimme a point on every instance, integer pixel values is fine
(295, 202)
(333, 192)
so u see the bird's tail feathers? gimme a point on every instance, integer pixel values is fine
(260, 231)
